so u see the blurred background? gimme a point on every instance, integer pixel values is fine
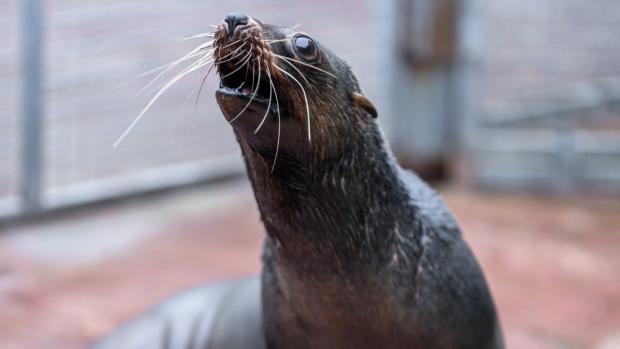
(510, 107)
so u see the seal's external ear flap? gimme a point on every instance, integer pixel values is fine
(363, 102)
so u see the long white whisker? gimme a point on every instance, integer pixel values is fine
(200, 35)
(253, 75)
(231, 44)
(232, 54)
(186, 100)
(300, 73)
(204, 61)
(305, 97)
(149, 72)
(153, 100)
(195, 52)
(218, 49)
(251, 98)
(201, 86)
(246, 59)
(306, 64)
(275, 158)
(274, 41)
(193, 67)
(247, 71)
(167, 68)
(268, 105)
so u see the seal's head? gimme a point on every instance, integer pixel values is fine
(288, 98)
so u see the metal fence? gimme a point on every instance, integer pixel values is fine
(72, 64)
(550, 96)
(543, 118)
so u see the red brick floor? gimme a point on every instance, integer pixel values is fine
(553, 265)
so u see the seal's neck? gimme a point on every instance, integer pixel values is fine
(342, 215)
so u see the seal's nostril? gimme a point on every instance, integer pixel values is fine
(234, 20)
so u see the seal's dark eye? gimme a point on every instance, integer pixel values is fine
(305, 48)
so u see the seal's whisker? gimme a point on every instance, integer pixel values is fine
(275, 158)
(306, 64)
(251, 98)
(245, 61)
(218, 49)
(231, 55)
(199, 35)
(247, 71)
(298, 71)
(201, 86)
(166, 68)
(276, 40)
(204, 61)
(231, 44)
(268, 104)
(193, 53)
(253, 74)
(149, 72)
(192, 68)
(236, 53)
(305, 98)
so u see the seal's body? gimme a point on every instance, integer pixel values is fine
(359, 253)
(406, 281)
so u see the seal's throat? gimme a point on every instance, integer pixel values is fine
(344, 221)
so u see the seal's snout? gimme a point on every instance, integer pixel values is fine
(249, 75)
(235, 20)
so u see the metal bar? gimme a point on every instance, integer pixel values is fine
(31, 104)
(133, 186)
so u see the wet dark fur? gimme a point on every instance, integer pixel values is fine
(359, 253)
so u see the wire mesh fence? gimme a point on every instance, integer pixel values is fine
(541, 63)
(94, 55)
(550, 95)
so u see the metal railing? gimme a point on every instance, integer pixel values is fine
(31, 170)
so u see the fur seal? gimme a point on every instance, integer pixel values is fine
(359, 253)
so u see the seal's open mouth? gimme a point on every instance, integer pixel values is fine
(245, 82)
